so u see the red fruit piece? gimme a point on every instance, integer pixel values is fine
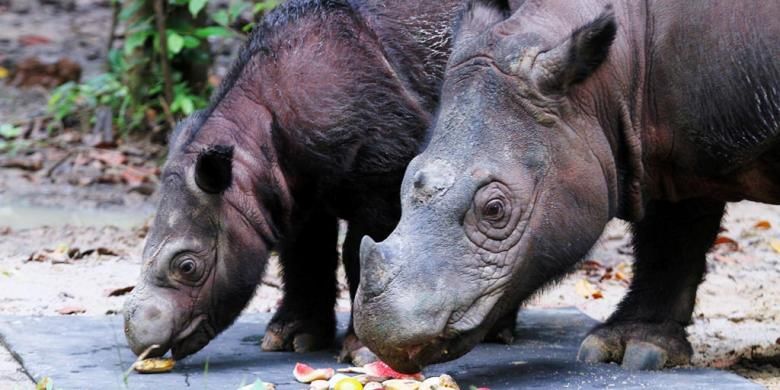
(306, 374)
(380, 369)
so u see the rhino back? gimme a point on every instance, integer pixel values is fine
(715, 78)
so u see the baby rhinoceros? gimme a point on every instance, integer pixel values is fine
(554, 121)
(324, 107)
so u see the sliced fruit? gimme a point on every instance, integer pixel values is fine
(319, 385)
(373, 386)
(306, 374)
(401, 384)
(154, 365)
(380, 369)
(348, 384)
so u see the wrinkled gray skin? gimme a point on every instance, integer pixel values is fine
(551, 123)
(194, 280)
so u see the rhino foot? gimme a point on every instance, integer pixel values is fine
(353, 351)
(637, 345)
(299, 335)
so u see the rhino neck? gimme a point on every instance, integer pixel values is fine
(415, 38)
(615, 99)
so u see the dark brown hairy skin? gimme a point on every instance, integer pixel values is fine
(316, 121)
(554, 121)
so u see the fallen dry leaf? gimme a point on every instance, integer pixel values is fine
(118, 292)
(69, 310)
(33, 39)
(763, 225)
(591, 265)
(723, 240)
(109, 157)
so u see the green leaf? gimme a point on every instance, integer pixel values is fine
(135, 40)
(187, 106)
(221, 18)
(10, 131)
(175, 42)
(213, 31)
(196, 5)
(265, 6)
(191, 42)
(236, 8)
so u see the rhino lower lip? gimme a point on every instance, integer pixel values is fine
(190, 329)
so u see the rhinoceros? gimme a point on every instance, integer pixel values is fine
(552, 122)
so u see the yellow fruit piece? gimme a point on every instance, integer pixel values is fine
(154, 365)
(348, 384)
(775, 244)
(585, 288)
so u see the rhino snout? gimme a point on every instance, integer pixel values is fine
(396, 314)
(148, 322)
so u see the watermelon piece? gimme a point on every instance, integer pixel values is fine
(382, 370)
(306, 374)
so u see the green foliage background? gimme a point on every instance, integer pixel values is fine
(133, 86)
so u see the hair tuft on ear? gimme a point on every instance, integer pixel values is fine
(214, 169)
(578, 56)
(590, 45)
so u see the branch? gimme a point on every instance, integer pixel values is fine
(159, 16)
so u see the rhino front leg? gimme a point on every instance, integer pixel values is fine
(353, 351)
(648, 329)
(306, 320)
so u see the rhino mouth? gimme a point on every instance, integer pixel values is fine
(193, 338)
(441, 349)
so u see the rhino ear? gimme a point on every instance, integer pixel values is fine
(214, 169)
(577, 57)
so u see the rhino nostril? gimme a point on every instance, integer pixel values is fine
(419, 180)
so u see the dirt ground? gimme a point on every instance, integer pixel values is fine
(70, 244)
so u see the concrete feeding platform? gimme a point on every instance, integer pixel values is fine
(91, 353)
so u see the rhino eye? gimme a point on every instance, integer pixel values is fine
(187, 267)
(493, 210)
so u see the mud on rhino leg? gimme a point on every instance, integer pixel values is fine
(353, 350)
(306, 321)
(647, 331)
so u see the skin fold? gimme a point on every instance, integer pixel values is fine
(552, 122)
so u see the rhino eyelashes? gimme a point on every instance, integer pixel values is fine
(214, 169)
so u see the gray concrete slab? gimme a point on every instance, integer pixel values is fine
(90, 353)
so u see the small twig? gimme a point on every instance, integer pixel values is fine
(141, 357)
(167, 112)
(112, 31)
(59, 162)
(159, 16)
